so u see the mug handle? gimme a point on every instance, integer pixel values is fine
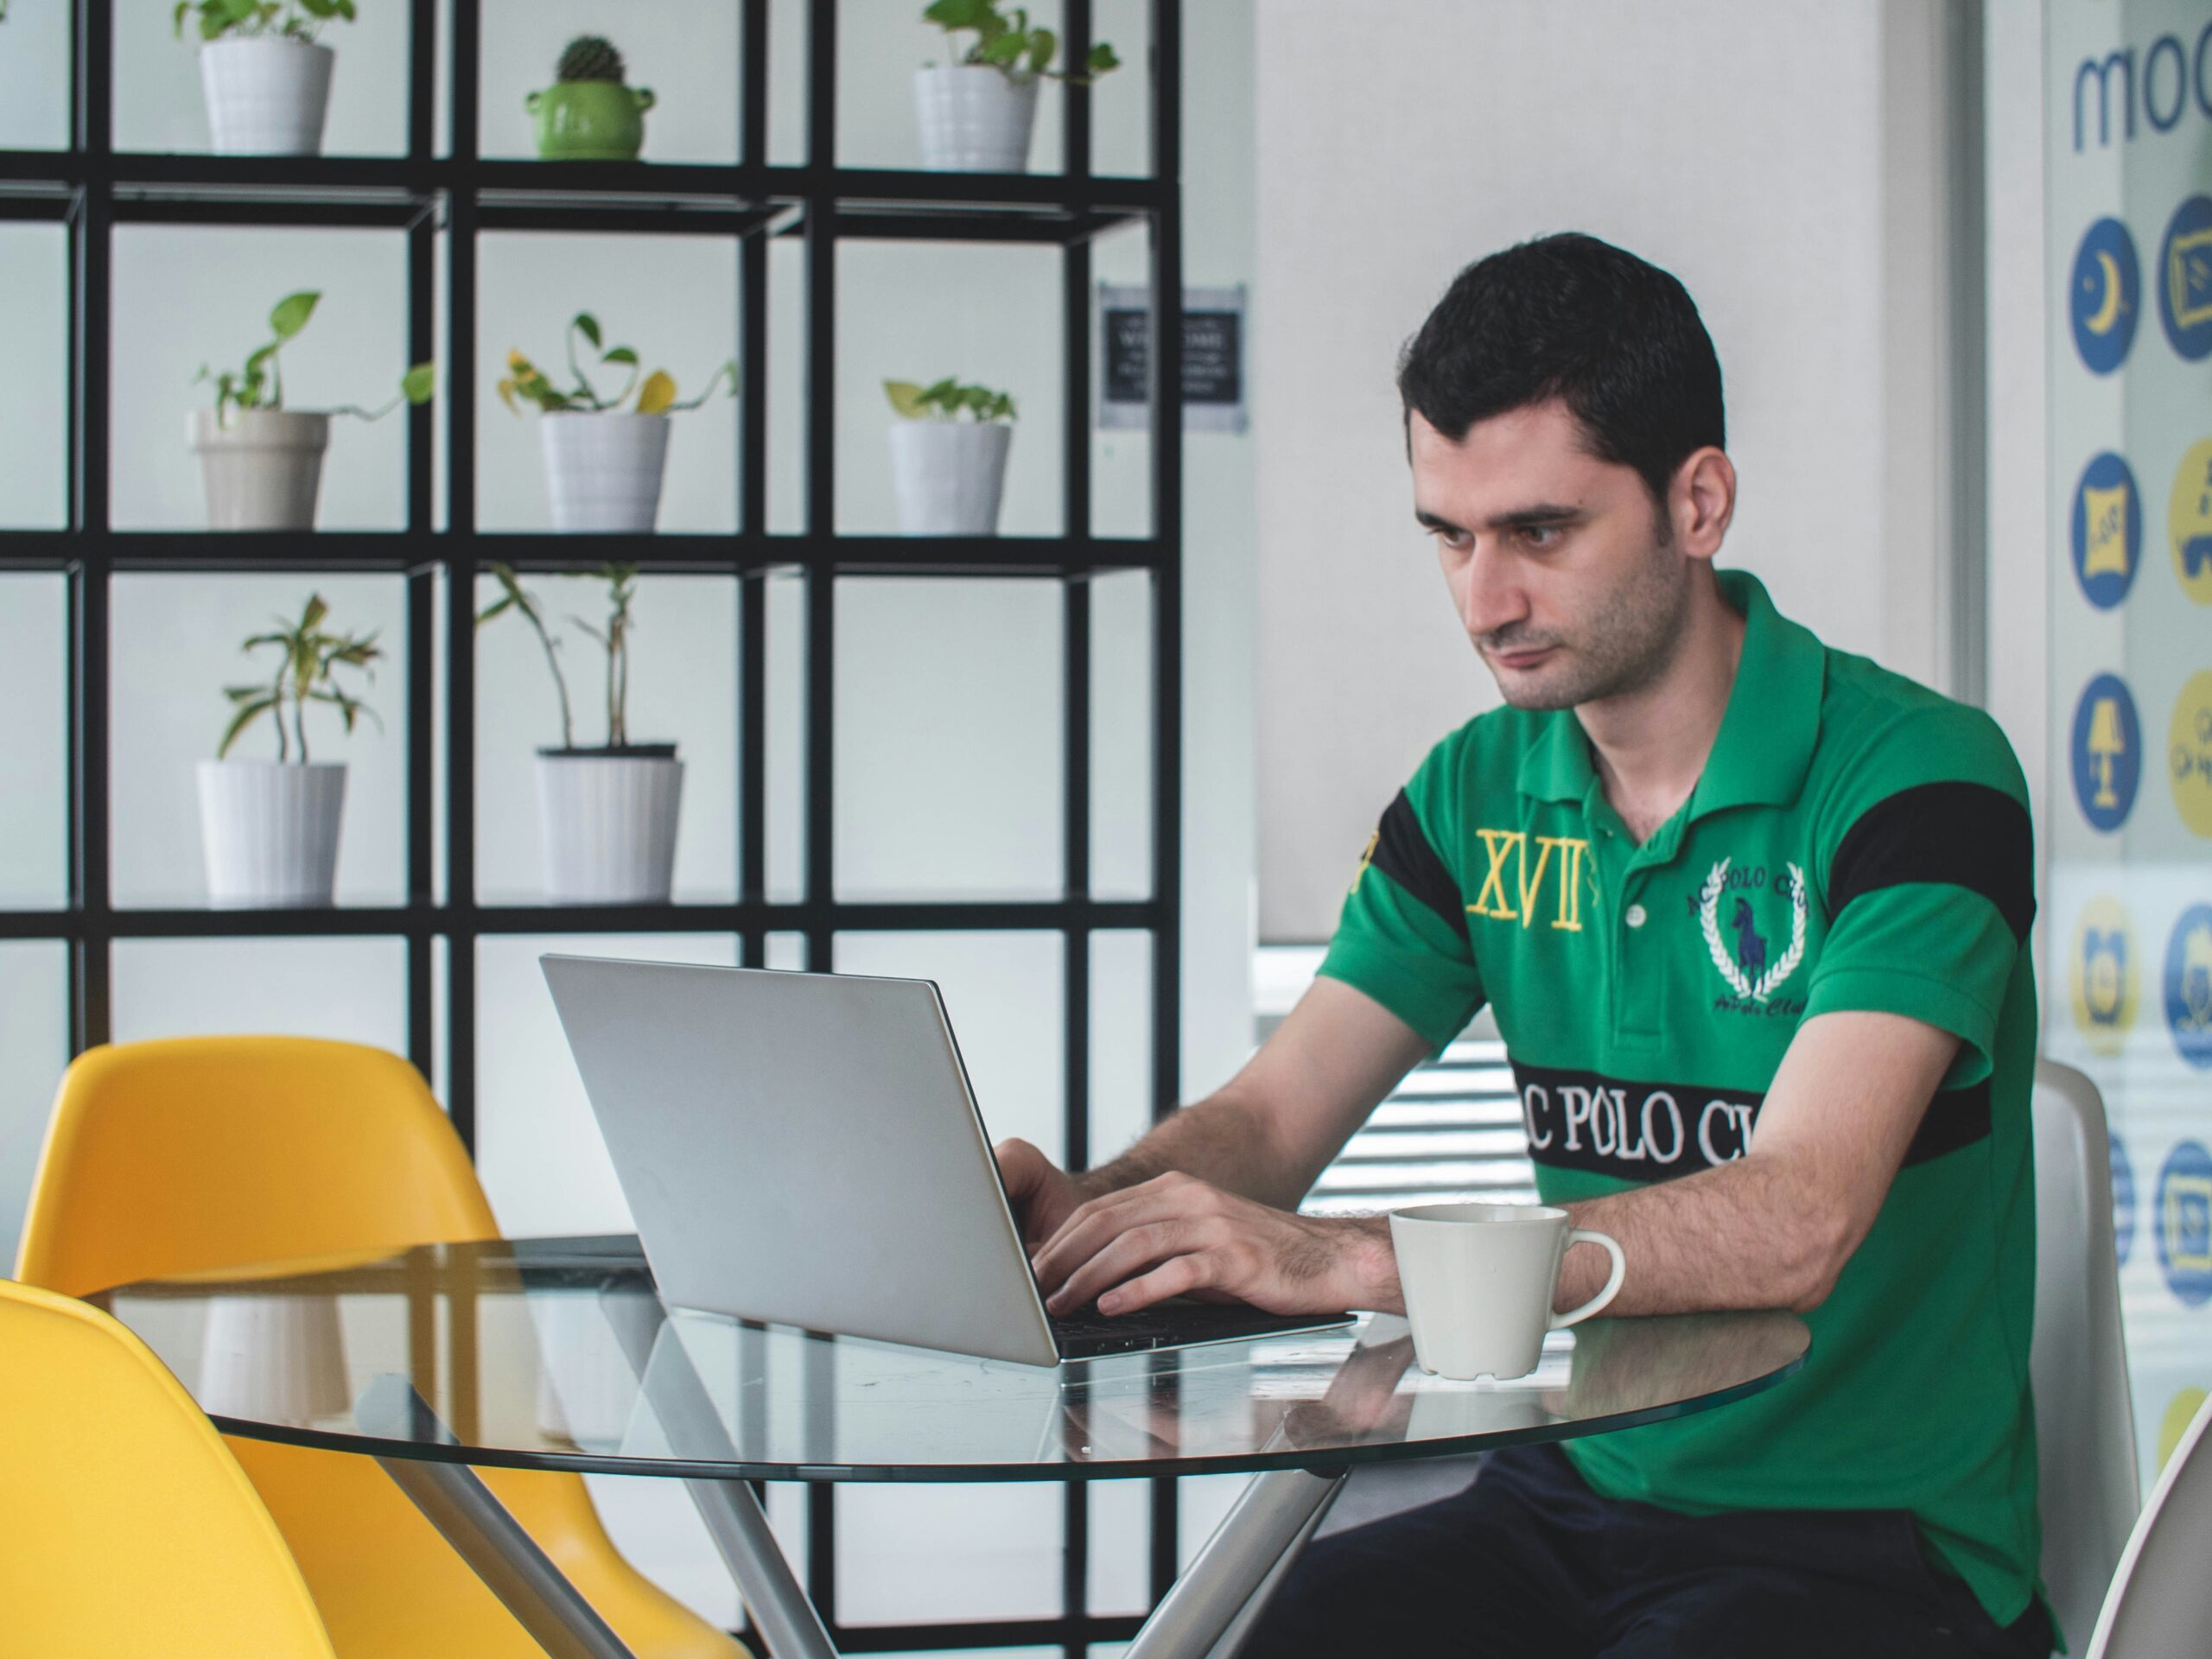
(1584, 1236)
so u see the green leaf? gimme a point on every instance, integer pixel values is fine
(182, 6)
(1042, 44)
(961, 13)
(999, 52)
(292, 313)
(906, 399)
(497, 608)
(1101, 59)
(247, 714)
(319, 7)
(620, 354)
(419, 382)
(588, 325)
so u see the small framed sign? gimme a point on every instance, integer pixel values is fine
(1213, 357)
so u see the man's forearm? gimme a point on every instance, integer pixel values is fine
(1223, 1140)
(1751, 1234)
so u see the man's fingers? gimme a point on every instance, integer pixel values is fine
(1177, 1276)
(1096, 1224)
(1120, 1258)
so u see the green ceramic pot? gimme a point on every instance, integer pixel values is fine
(590, 120)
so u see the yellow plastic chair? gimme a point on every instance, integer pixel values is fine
(189, 1153)
(125, 1528)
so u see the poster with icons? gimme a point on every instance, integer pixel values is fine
(2128, 987)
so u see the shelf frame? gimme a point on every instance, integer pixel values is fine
(446, 201)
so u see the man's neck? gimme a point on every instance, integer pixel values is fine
(1651, 744)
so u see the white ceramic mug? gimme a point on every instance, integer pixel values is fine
(1479, 1281)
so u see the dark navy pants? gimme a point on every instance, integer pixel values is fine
(1529, 1561)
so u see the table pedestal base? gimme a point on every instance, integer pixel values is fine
(1206, 1613)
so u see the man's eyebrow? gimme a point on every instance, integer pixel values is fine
(1542, 514)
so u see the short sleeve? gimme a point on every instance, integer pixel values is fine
(1930, 889)
(1402, 936)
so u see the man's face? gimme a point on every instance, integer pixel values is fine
(1554, 559)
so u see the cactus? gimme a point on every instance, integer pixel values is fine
(589, 57)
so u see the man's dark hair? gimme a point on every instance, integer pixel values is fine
(1619, 340)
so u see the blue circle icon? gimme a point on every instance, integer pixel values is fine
(2184, 1222)
(2184, 278)
(2188, 986)
(2107, 751)
(2107, 522)
(2123, 1202)
(2105, 296)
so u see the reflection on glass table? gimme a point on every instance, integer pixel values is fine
(558, 1353)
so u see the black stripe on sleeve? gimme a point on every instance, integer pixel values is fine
(1403, 853)
(1963, 834)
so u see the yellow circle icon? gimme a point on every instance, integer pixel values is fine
(2181, 1411)
(2100, 975)
(2189, 523)
(2188, 754)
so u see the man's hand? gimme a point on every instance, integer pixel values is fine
(1177, 1235)
(1042, 1193)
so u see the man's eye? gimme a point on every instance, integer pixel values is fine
(1540, 536)
(1457, 540)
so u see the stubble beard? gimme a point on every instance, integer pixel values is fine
(1626, 645)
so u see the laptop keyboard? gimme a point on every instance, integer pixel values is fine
(1086, 1333)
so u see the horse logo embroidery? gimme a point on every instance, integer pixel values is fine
(1744, 965)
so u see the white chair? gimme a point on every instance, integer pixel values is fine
(2085, 1426)
(2161, 1602)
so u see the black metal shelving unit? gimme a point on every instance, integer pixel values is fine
(92, 188)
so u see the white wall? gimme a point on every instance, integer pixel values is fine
(2020, 569)
(1765, 153)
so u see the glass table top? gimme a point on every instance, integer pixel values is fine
(556, 1353)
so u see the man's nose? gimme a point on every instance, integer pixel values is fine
(1491, 599)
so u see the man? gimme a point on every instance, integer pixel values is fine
(1751, 913)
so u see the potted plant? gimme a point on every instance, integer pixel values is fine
(588, 114)
(948, 473)
(260, 463)
(270, 828)
(603, 463)
(606, 816)
(976, 114)
(266, 78)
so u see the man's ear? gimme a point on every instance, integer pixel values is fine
(1701, 501)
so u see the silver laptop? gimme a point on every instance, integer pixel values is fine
(804, 1148)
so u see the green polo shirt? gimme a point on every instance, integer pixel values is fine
(1855, 841)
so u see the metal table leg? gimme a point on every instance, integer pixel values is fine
(1211, 1606)
(685, 1413)
(461, 1506)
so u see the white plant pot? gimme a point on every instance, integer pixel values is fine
(262, 471)
(270, 830)
(949, 475)
(603, 471)
(274, 1359)
(266, 96)
(974, 119)
(607, 824)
